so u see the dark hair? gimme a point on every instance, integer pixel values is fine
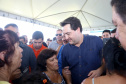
(120, 6)
(113, 31)
(35, 78)
(44, 44)
(106, 31)
(22, 37)
(115, 57)
(37, 35)
(54, 38)
(74, 23)
(49, 39)
(42, 57)
(7, 40)
(11, 24)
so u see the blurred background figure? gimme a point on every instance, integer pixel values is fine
(10, 55)
(101, 37)
(54, 44)
(115, 60)
(113, 32)
(106, 34)
(48, 41)
(22, 39)
(26, 39)
(54, 38)
(30, 42)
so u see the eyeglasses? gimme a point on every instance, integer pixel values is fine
(59, 34)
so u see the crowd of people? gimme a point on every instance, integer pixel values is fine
(70, 58)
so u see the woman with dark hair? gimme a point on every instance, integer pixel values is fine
(48, 64)
(10, 55)
(115, 60)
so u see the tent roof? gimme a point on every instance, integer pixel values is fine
(94, 14)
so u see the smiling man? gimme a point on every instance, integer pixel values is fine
(37, 45)
(119, 20)
(82, 54)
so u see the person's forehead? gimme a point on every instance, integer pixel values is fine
(57, 32)
(106, 33)
(37, 40)
(67, 28)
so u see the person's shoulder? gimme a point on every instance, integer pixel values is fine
(44, 47)
(51, 43)
(25, 47)
(67, 45)
(4, 82)
(92, 37)
(87, 81)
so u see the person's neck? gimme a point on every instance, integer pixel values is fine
(50, 72)
(60, 42)
(5, 73)
(81, 40)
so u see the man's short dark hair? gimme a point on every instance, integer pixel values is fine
(37, 35)
(113, 31)
(11, 24)
(120, 6)
(74, 23)
(106, 31)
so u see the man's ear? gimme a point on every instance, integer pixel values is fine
(2, 54)
(78, 29)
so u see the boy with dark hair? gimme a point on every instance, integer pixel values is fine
(37, 45)
(106, 34)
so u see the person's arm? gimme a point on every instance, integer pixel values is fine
(97, 72)
(67, 75)
(65, 67)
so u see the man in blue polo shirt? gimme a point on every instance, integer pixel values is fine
(81, 57)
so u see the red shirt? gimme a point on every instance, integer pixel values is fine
(37, 51)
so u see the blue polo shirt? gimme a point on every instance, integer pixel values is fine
(81, 60)
(60, 59)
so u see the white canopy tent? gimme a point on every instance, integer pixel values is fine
(94, 14)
